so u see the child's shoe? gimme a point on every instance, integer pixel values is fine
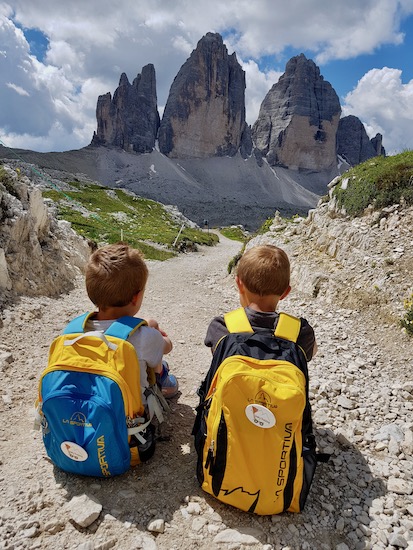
(167, 382)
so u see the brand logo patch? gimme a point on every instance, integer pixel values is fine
(104, 466)
(74, 451)
(260, 416)
(77, 419)
(263, 398)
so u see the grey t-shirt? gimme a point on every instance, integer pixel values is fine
(261, 320)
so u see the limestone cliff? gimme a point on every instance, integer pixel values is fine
(298, 119)
(205, 112)
(130, 119)
(354, 144)
(38, 254)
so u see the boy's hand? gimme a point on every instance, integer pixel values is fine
(154, 324)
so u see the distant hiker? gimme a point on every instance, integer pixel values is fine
(106, 379)
(253, 430)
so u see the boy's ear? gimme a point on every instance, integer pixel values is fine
(240, 284)
(285, 293)
(137, 297)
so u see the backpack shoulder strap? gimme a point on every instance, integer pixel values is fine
(237, 321)
(124, 326)
(77, 324)
(288, 327)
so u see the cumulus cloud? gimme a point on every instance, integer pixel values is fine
(91, 43)
(385, 105)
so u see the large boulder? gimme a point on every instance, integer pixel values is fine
(298, 119)
(130, 120)
(205, 112)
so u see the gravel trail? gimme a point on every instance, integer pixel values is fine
(362, 405)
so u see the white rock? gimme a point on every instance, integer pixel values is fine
(157, 526)
(345, 402)
(399, 486)
(198, 524)
(238, 536)
(84, 509)
(193, 508)
(397, 540)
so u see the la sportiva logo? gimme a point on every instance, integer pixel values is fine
(77, 419)
(264, 399)
(284, 463)
(104, 466)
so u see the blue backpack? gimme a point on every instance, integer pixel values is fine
(90, 402)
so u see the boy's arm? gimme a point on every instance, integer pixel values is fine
(167, 341)
(315, 348)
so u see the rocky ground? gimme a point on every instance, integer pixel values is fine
(362, 396)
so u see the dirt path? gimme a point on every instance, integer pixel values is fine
(183, 294)
(362, 404)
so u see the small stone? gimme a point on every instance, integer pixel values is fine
(157, 526)
(399, 486)
(198, 524)
(29, 533)
(397, 540)
(345, 402)
(238, 536)
(340, 524)
(84, 510)
(193, 508)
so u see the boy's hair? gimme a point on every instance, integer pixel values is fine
(114, 275)
(265, 270)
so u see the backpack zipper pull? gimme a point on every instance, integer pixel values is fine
(209, 463)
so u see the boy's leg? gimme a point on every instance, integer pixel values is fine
(167, 382)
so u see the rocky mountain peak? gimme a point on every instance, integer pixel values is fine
(298, 119)
(205, 112)
(353, 143)
(130, 119)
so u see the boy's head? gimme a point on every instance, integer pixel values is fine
(114, 275)
(265, 270)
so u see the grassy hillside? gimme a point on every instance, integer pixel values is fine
(110, 215)
(379, 182)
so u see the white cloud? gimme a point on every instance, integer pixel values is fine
(91, 43)
(17, 89)
(385, 105)
(258, 84)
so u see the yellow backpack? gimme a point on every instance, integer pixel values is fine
(253, 431)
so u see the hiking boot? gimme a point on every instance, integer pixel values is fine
(167, 382)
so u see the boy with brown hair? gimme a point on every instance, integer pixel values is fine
(253, 429)
(116, 277)
(263, 280)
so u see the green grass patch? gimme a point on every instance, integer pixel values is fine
(234, 233)
(110, 215)
(380, 182)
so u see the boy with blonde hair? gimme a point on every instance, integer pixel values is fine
(263, 280)
(116, 277)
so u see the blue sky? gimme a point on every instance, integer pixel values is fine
(57, 58)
